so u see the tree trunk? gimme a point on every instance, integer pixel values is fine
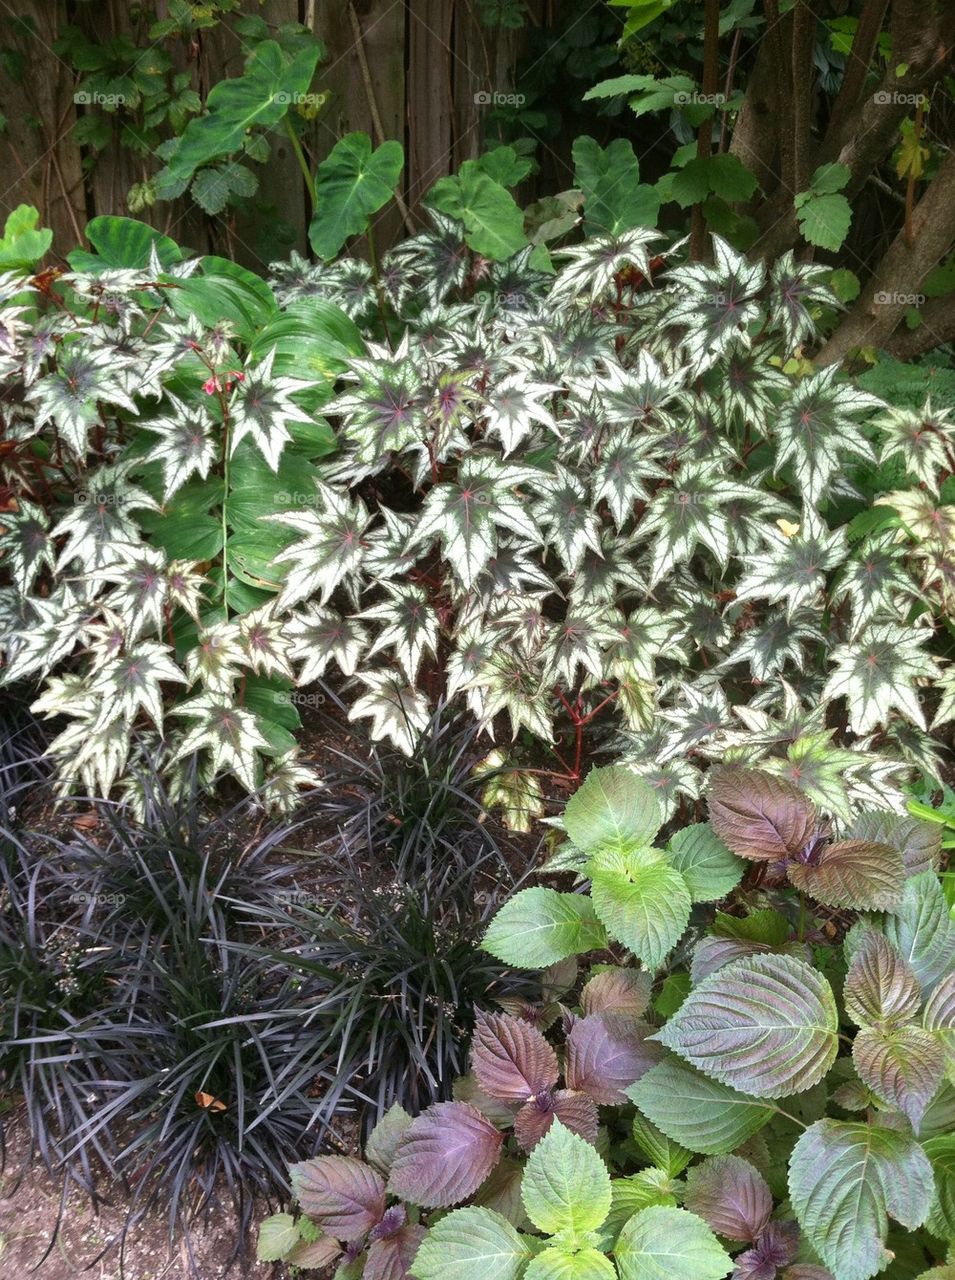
(937, 327)
(754, 137)
(893, 288)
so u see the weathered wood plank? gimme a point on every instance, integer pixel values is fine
(431, 60)
(39, 160)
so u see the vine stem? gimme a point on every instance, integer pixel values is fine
(302, 162)
(225, 507)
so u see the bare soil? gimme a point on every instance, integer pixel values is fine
(30, 1206)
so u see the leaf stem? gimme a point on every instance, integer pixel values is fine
(302, 162)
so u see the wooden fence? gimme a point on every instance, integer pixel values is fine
(414, 70)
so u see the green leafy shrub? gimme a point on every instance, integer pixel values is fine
(746, 1079)
(560, 501)
(608, 504)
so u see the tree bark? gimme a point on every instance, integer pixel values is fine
(754, 137)
(804, 36)
(859, 61)
(937, 327)
(864, 136)
(884, 300)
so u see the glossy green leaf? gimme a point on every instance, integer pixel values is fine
(353, 182)
(259, 98)
(493, 221)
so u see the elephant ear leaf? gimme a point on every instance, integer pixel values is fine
(760, 816)
(353, 183)
(846, 1180)
(261, 96)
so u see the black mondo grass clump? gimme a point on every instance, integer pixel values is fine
(22, 743)
(140, 1038)
(423, 809)
(410, 882)
(391, 976)
(53, 977)
(194, 999)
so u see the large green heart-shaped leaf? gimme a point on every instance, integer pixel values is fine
(614, 200)
(123, 242)
(660, 1243)
(494, 223)
(845, 1181)
(260, 97)
(766, 1023)
(352, 183)
(23, 243)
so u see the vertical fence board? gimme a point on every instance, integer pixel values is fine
(430, 92)
(39, 162)
(473, 74)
